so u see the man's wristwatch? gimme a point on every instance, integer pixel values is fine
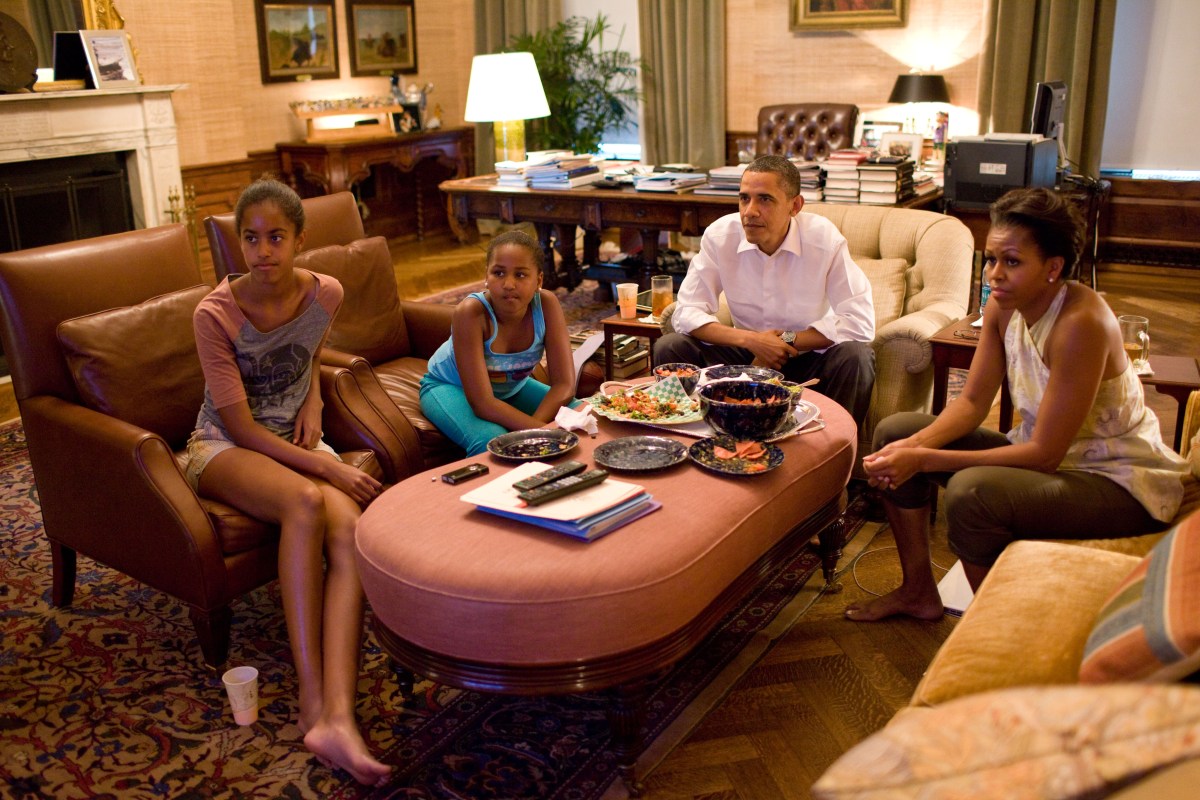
(788, 337)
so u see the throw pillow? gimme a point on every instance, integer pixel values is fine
(1031, 742)
(139, 363)
(886, 276)
(370, 322)
(1149, 630)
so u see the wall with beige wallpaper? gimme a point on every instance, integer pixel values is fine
(226, 111)
(767, 63)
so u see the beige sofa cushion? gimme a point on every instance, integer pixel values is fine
(886, 276)
(1037, 591)
(1039, 743)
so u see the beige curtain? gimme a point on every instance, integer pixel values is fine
(1029, 41)
(683, 46)
(46, 17)
(496, 22)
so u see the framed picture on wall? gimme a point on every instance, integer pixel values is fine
(297, 40)
(832, 15)
(110, 59)
(383, 36)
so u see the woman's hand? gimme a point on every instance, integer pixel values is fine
(891, 466)
(358, 485)
(307, 432)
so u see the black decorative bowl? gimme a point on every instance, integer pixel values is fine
(688, 374)
(725, 409)
(727, 371)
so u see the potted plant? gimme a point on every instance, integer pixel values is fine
(589, 89)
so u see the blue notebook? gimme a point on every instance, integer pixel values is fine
(593, 527)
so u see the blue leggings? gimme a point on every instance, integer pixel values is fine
(446, 406)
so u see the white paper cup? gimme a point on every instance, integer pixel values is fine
(241, 684)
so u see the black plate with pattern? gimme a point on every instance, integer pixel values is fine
(533, 444)
(702, 453)
(640, 453)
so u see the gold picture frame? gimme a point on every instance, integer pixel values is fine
(101, 15)
(833, 15)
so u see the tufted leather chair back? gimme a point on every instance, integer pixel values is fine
(805, 130)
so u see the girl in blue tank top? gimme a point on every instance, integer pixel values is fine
(478, 385)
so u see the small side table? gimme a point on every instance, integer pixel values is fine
(954, 346)
(629, 327)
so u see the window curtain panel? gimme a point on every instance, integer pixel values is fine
(683, 47)
(496, 22)
(46, 17)
(1029, 41)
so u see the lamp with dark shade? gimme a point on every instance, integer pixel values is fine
(917, 88)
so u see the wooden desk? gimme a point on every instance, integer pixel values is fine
(557, 212)
(335, 166)
(615, 325)
(952, 346)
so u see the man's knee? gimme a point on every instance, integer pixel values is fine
(676, 347)
(852, 358)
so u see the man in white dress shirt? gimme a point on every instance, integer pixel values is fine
(799, 303)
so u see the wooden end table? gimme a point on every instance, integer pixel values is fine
(954, 346)
(615, 325)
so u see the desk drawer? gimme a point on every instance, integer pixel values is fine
(549, 209)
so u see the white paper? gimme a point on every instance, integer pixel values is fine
(499, 493)
(955, 591)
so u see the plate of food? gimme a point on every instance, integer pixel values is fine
(538, 443)
(661, 403)
(729, 457)
(640, 453)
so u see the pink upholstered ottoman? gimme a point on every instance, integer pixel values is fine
(478, 601)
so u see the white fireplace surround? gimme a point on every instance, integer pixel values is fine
(138, 121)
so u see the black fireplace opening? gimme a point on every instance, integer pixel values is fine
(53, 200)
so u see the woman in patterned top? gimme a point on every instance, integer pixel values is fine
(257, 447)
(478, 385)
(1087, 459)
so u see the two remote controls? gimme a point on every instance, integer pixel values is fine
(554, 489)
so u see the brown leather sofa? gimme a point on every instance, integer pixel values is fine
(805, 130)
(99, 340)
(388, 372)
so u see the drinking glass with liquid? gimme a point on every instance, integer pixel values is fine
(662, 292)
(1135, 335)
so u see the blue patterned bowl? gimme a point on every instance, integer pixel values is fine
(738, 370)
(744, 421)
(688, 374)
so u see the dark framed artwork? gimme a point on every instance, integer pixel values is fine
(297, 40)
(383, 36)
(832, 15)
(408, 120)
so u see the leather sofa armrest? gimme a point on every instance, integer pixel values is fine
(428, 326)
(136, 514)
(359, 415)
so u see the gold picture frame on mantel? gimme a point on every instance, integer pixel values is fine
(102, 15)
(834, 15)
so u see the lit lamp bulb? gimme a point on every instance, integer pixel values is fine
(506, 90)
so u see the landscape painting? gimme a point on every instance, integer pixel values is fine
(383, 38)
(296, 41)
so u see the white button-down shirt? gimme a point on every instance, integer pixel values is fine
(809, 282)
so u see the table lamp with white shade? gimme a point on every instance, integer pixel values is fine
(506, 90)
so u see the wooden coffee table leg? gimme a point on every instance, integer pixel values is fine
(625, 717)
(830, 541)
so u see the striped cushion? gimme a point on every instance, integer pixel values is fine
(1149, 630)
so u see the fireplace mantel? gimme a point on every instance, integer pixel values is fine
(139, 121)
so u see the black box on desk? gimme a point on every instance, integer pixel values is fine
(979, 169)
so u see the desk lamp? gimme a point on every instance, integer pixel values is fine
(506, 90)
(918, 88)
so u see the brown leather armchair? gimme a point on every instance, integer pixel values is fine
(385, 342)
(104, 367)
(805, 130)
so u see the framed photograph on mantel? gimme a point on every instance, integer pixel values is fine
(110, 59)
(383, 36)
(835, 15)
(297, 40)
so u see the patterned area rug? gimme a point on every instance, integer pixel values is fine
(582, 310)
(108, 698)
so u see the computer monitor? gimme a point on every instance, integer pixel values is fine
(1049, 109)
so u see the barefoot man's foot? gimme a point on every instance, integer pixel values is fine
(338, 746)
(894, 604)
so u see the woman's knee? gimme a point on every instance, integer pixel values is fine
(899, 426)
(979, 516)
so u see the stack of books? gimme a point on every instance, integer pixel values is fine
(631, 357)
(586, 514)
(885, 184)
(810, 180)
(924, 183)
(677, 182)
(723, 181)
(841, 176)
(563, 172)
(512, 173)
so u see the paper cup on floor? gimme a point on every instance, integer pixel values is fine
(241, 684)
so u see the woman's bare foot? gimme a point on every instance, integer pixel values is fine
(343, 746)
(897, 603)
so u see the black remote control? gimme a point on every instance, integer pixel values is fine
(547, 475)
(562, 487)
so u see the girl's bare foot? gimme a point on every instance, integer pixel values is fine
(343, 746)
(894, 604)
